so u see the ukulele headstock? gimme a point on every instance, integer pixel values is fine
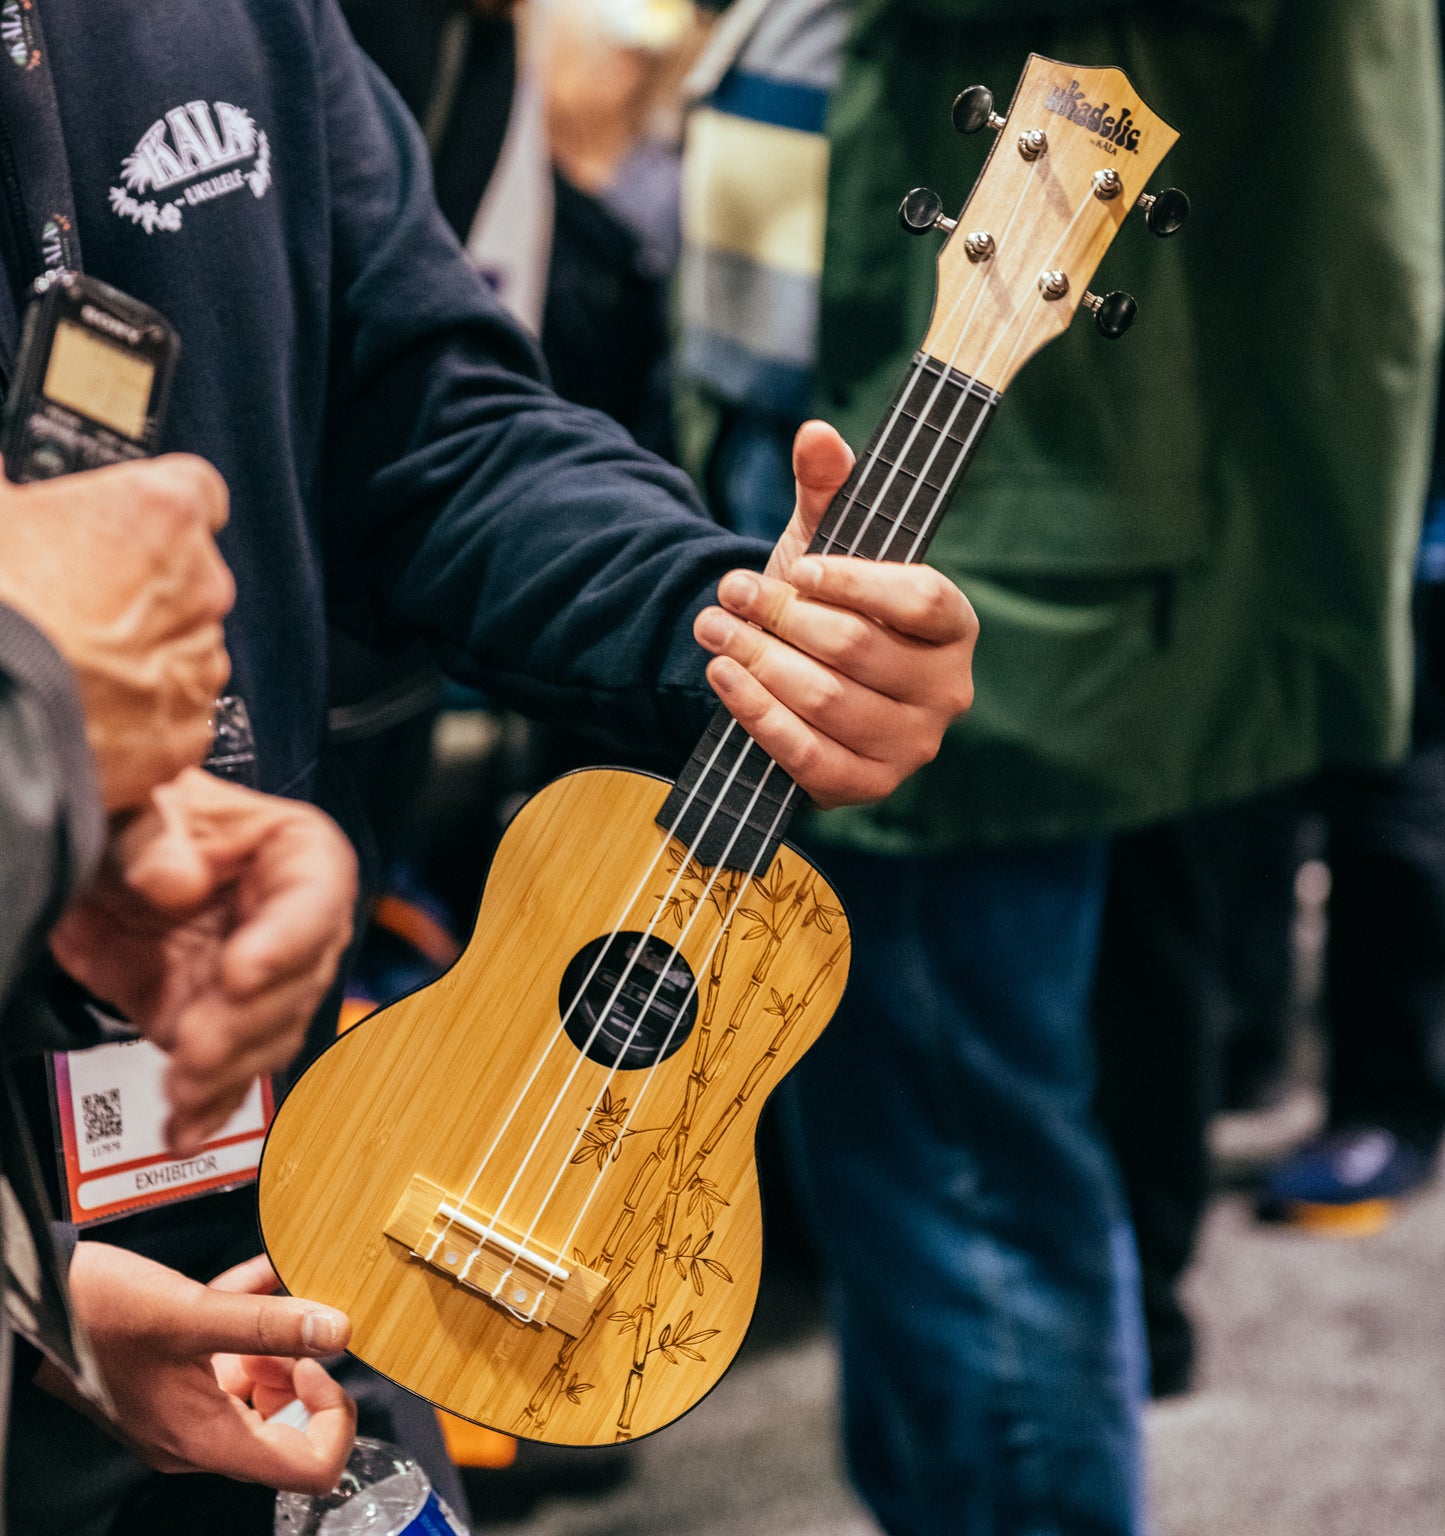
(1072, 159)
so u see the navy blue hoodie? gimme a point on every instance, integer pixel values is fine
(397, 465)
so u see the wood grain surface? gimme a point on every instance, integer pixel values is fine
(644, 1176)
(990, 316)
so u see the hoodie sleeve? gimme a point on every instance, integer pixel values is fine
(543, 555)
(52, 827)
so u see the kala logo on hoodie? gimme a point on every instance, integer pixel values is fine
(193, 155)
(1068, 101)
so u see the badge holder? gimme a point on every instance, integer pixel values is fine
(111, 1112)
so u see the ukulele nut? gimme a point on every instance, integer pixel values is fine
(1032, 143)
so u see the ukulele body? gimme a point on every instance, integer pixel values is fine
(528, 1237)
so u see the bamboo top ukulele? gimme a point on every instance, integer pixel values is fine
(531, 1184)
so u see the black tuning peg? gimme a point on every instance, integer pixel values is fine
(973, 109)
(1166, 212)
(1114, 313)
(921, 211)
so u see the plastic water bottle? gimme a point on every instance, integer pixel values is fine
(382, 1492)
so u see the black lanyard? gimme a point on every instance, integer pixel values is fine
(34, 173)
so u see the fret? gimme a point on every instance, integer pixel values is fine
(736, 811)
(751, 814)
(936, 420)
(918, 470)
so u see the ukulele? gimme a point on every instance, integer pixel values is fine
(532, 1184)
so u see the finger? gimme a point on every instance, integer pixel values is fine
(254, 1277)
(172, 746)
(239, 1443)
(177, 504)
(852, 645)
(193, 667)
(271, 1371)
(221, 1042)
(232, 1375)
(299, 896)
(193, 588)
(218, 1048)
(216, 1321)
(328, 1438)
(243, 1376)
(287, 1458)
(158, 858)
(859, 717)
(828, 772)
(913, 600)
(821, 461)
(268, 1400)
(205, 1087)
(189, 484)
(296, 882)
(205, 1111)
(187, 1132)
(200, 1111)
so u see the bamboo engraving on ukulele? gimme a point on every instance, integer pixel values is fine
(640, 1273)
(531, 1184)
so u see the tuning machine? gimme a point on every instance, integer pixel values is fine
(1113, 313)
(1166, 212)
(922, 210)
(973, 109)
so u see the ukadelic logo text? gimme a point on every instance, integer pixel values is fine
(193, 155)
(1068, 101)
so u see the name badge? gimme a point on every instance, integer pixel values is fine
(111, 1111)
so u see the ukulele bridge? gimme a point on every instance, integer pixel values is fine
(500, 1265)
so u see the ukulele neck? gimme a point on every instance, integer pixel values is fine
(732, 804)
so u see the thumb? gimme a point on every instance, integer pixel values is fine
(227, 1322)
(160, 860)
(821, 462)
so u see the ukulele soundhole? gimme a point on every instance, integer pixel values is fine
(647, 1018)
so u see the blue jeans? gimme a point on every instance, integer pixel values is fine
(980, 1261)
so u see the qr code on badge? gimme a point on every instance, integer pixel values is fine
(101, 1112)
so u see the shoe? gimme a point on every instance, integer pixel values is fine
(1347, 1181)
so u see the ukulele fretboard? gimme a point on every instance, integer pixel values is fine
(732, 804)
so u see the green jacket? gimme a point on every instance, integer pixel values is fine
(1190, 550)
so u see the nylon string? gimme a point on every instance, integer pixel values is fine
(724, 927)
(559, 1034)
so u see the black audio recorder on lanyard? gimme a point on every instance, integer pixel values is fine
(91, 381)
